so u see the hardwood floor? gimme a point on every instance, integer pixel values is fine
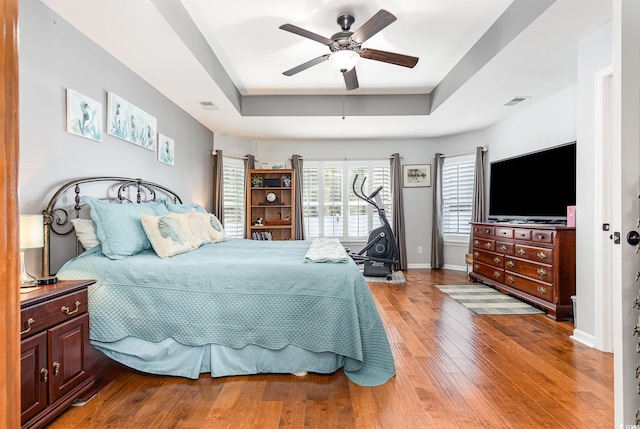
(454, 369)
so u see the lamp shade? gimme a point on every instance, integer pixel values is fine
(344, 60)
(31, 231)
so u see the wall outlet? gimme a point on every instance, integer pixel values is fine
(420, 250)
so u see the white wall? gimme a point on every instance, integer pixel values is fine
(55, 56)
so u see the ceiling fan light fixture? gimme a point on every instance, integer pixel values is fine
(344, 60)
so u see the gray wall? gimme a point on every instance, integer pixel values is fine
(55, 56)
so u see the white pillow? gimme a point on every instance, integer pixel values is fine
(194, 228)
(214, 227)
(85, 232)
(165, 234)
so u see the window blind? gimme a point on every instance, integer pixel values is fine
(457, 195)
(234, 197)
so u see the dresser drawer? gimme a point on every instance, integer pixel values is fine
(504, 247)
(539, 289)
(530, 269)
(488, 231)
(488, 271)
(52, 312)
(494, 259)
(504, 232)
(483, 244)
(537, 254)
(542, 236)
(522, 234)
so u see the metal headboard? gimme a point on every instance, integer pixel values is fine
(125, 190)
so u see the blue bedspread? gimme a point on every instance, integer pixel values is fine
(237, 293)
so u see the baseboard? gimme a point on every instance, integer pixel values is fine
(418, 266)
(455, 267)
(584, 338)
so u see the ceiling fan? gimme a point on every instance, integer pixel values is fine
(346, 46)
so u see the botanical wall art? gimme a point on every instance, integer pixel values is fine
(84, 116)
(131, 123)
(165, 149)
(416, 175)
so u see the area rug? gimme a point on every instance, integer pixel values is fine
(396, 278)
(483, 299)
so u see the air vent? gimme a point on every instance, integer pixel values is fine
(208, 105)
(516, 100)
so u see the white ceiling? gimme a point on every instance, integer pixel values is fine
(232, 53)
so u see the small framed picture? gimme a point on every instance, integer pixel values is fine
(166, 149)
(84, 116)
(416, 175)
(273, 165)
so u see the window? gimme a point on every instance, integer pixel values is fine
(457, 194)
(331, 209)
(233, 173)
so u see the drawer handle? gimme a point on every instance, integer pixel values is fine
(56, 368)
(511, 264)
(504, 248)
(65, 309)
(497, 260)
(510, 279)
(44, 372)
(542, 271)
(476, 254)
(476, 267)
(497, 274)
(487, 245)
(542, 290)
(476, 242)
(522, 251)
(487, 231)
(541, 255)
(29, 323)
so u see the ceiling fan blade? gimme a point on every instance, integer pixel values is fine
(376, 23)
(306, 65)
(351, 79)
(389, 57)
(306, 33)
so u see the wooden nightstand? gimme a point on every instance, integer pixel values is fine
(55, 351)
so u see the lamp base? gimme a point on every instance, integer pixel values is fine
(26, 279)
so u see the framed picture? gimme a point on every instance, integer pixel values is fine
(416, 175)
(165, 149)
(84, 116)
(273, 165)
(131, 123)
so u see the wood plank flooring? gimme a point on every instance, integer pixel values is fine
(454, 369)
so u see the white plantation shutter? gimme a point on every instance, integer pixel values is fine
(233, 173)
(330, 207)
(457, 194)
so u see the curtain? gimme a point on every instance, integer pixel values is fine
(296, 164)
(478, 208)
(218, 187)
(249, 163)
(437, 234)
(398, 211)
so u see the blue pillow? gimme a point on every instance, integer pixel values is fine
(184, 208)
(119, 228)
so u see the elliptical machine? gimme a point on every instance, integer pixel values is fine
(381, 252)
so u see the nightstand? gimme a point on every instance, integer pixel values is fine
(55, 350)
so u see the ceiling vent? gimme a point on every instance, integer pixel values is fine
(516, 100)
(208, 105)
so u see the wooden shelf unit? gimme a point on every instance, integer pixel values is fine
(277, 218)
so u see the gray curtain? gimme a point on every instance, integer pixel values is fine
(478, 209)
(437, 234)
(296, 164)
(218, 187)
(397, 207)
(249, 163)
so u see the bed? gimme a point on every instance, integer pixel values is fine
(230, 307)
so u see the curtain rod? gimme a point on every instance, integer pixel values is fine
(346, 159)
(471, 152)
(214, 153)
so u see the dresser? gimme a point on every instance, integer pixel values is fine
(536, 263)
(57, 363)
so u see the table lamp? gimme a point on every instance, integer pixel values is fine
(31, 237)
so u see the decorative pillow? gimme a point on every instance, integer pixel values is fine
(183, 208)
(194, 228)
(85, 233)
(214, 227)
(165, 234)
(119, 228)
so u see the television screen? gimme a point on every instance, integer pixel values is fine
(535, 187)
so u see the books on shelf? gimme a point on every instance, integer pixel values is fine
(261, 235)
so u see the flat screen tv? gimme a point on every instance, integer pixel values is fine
(535, 187)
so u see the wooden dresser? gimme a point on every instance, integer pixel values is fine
(536, 263)
(57, 363)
